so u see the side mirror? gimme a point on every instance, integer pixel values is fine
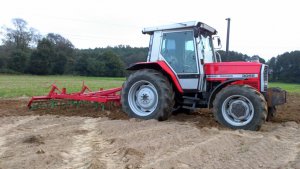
(217, 42)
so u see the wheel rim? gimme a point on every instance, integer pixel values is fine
(237, 110)
(143, 98)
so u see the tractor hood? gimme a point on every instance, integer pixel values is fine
(228, 70)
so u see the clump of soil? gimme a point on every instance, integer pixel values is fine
(34, 139)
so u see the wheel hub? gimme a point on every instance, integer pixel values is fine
(239, 110)
(146, 98)
(143, 98)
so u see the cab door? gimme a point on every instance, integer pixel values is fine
(178, 49)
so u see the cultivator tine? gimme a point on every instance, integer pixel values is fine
(102, 99)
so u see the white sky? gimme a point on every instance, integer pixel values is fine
(262, 27)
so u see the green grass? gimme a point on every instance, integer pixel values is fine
(29, 85)
(289, 87)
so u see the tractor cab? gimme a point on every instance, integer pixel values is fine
(184, 47)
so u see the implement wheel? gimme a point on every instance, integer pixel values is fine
(240, 107)
(147, 94)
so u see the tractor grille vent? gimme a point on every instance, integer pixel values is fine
(266, 70)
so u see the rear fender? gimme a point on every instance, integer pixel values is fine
(162, 67)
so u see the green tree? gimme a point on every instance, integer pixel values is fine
(113, 65)
(16, 44)
(39, 62)
(236, 56)
(21, 36)
(17, 60)
(63, 60)
(273, 71)
(58, 62)
(81, 66)
(287, 67)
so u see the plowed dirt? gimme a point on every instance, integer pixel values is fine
(87, 138)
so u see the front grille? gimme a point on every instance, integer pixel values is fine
(266, 71)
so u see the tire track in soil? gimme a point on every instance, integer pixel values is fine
(4, 129)
(292, 134)
(86, 151)
(79, 154)
(177, 152)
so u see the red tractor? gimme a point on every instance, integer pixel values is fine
(183, 72)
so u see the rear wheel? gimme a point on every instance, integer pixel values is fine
(147, 94)
(240, 107)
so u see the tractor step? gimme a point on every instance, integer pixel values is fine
(190, 102)
(191, 98)
(188, 107)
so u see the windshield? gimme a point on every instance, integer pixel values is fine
(206, 48)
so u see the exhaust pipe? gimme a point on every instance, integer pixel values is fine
(228, 31)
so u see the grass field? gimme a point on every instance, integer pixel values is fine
(28, 85)
(290, 87)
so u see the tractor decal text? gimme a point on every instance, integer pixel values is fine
(222, 76)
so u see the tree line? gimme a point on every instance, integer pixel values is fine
(24, 50)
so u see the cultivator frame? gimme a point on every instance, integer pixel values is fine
(101, 96)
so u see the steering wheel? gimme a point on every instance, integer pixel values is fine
(172, 60)
(189, 61)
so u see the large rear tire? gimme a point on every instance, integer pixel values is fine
(147, 94)
(240, 107)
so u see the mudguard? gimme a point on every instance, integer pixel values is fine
(160, 66)
(220, 87)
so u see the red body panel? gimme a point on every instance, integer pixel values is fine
(218, 72)
(223, 71)
(168, 70)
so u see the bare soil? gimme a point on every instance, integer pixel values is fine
(87, 138)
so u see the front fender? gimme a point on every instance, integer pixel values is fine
(219, 88)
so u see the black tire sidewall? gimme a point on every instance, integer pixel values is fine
(257, 119)
(139, 76)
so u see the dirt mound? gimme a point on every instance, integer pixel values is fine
(289, 111)
(85, 137)
(84, 142)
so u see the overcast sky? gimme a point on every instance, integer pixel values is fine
(263, 27)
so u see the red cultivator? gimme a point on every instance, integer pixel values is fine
(101, 96)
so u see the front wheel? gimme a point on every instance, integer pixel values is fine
(147, 94)
(240, 107)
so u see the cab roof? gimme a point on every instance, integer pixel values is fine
(180, 25)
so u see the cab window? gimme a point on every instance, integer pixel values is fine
(178, 49)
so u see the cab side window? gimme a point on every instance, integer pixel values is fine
(178, 49)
